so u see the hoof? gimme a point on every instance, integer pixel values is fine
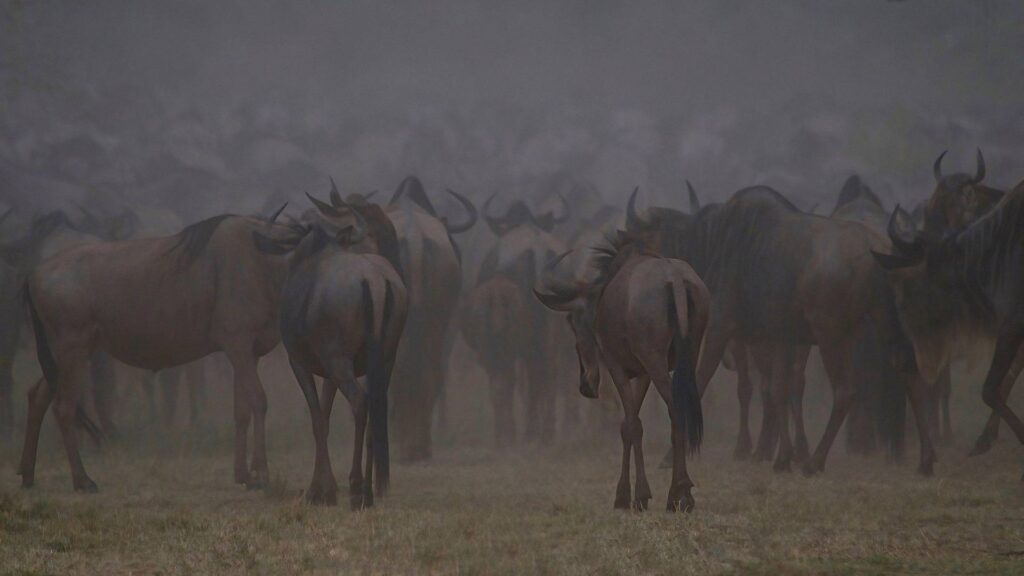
(320, 495)
(810, 468)
(257, 480)
(982, 446)
(640, 505)
(27, 482)
(355, 502)
(683, 504)
(86, 486)
(926, 469)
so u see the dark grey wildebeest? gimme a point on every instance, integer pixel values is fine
(970, 282)
(155, 303)
(786, 279)
(644, 319)
(506, 277)
(432, 270)
(342, 313)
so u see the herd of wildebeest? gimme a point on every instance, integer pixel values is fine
(363, 292)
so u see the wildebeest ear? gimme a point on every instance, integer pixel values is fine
(895, 261)
(270, 246)
(556, 302)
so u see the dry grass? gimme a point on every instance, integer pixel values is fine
(544, 511)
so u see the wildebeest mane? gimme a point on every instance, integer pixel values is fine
(192, 240)
(987, 253)
(854, 189)
(608, 258)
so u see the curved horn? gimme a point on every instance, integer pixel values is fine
(358, 231)
(273, 217)
(896, 238)
(937, 167)
(559, 296)
(335, 195)
(694, 201)
(979, 172)
(633, 220)
(566, 211)
(470, 220)
(325, 208)
(494, 223)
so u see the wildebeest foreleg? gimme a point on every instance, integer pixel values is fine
(834, 356)
(1006, 349)
(323, 489)
(918, 391)
(38, 402)
(243, 415)
(991, 431)
(72, 369)
(744, 391)
(249, 389)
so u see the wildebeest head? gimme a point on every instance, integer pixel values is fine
(578, 301)
(519, 213)
(924, 291)
(411, 190)
(107, 228)
(548, 220)
(22, 253)
(959, 198)
(659, 226)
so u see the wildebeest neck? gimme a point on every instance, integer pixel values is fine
(194, 239)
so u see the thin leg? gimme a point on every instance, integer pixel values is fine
(244, 365)
(782, 375)
(744, 391)
(38, 402)
(323, 489)
(834, 356)
(918, 391)
(1006, 349)
(801, 452)
(72, 373)
(622, 490)
(643, 490)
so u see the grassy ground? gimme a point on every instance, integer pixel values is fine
(527, 511)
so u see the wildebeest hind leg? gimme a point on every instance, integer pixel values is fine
(834, 357)
(243, 415)
(622, 489)
(782, 379)
(744, 391)
(323, 489)
(38, 402)
(643, 490)
(801, 452)
(72, 371)
(918, 391)
(249, 388)
(991, 432)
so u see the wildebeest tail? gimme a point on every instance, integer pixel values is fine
(43, 351)
(685, 396)
(377, 381)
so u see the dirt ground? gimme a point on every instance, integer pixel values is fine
(167, 503)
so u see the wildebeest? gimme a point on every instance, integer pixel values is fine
(785, 279)
(342, 313)
(507, 275)
(969, 282)
(155, 303)
(432, 269)
(642, 318)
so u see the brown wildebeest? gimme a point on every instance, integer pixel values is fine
(643, 318)
(969, 282)
(518, 258)
(432, 270)
(785, 279)
(342, 313)
(155, 303)
(857, 202)
(662, 229)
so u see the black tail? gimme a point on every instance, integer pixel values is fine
(377, 383)
(43, 351)
(685, 397)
